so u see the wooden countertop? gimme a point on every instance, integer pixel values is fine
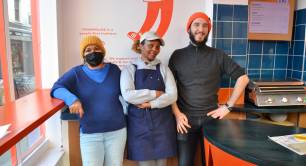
(26, 114)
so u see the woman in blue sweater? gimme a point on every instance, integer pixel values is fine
(92, 91)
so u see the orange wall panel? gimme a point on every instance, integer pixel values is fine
(224, 94)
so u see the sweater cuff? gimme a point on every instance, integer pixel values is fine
(71, 100)
(154, 104)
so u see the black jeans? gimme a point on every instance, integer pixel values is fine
(187, 143)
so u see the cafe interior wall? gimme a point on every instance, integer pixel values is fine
(262, 59)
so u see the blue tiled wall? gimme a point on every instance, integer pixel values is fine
(261, 59)
(297, 62)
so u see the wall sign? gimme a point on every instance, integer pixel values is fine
(270, 19)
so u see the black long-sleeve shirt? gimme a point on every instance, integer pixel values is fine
(198, 71)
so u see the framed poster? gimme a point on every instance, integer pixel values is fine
(270, 19)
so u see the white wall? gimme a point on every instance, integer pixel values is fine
(98, 14)
(49, 62)
(209, 10)
(49, 43)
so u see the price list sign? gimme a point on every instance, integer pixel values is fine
(269, 17)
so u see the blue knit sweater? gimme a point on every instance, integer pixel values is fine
(100, 100)
(97, 75)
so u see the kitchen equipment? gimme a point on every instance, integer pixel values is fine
(265, 93)
(278, 117)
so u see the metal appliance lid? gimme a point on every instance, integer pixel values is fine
(277, 83)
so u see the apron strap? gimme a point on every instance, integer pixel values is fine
(149, 119)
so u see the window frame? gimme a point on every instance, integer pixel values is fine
(3, 53)
(6, 65)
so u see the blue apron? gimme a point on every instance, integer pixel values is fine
(151, 132)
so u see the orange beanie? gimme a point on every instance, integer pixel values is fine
(198, 15)
(91, 40)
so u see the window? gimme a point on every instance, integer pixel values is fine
(16, 9)
(20, 35)
(1, 87)
(17, 51)
(2, 55)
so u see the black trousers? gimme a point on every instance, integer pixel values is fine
(187, 143)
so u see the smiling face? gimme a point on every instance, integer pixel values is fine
(150, 49)
(199, 29)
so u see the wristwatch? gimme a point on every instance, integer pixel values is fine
(228, 107)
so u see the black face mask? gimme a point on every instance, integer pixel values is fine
(94, 59)
(191, 37)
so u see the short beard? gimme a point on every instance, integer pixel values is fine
(191, 37)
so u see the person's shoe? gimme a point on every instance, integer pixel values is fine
(133, 35)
